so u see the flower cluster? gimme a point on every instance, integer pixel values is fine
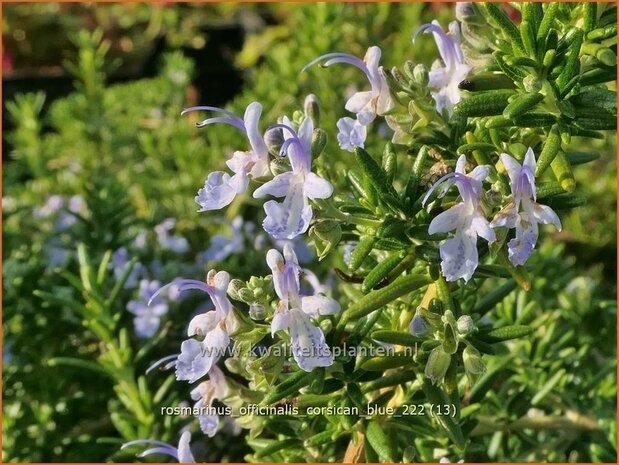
(468, 220)
(493, 197)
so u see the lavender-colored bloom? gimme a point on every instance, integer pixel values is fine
(446, 78)
(205, 393)
(140, 240)
(314, 282)
(523, 213)
(52, 206)
(290, 218)
(459, 253)
(56, 256)
(348, 249)
(351, 133)
(220, 188)
(303, 252)
(147, 317)
(294, 312)
(182, 453)
(198, 357)
(77, 204)
(167, 241)
(366, 104)
(120, 261)
(224, 246)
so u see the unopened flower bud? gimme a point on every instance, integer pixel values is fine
(465, 324)
(326, 235)
(494, 198)
(418, 326)
(279, 165)
(437, 365)
(274, 138)
(532, 83)
(319, 141)
(468, 12)
(409, 455)
(473, 364)
(234, 287)
(246, 295)
(395, 80)
(420, 75)
(257, 311)
(326, 326)
(312, 108)
(450, 340)
(408, 68)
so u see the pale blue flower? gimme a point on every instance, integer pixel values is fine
(220, 188)
(57, 256)
(52, 206)
(290, 218)
(168, 241)
(205, 393)
(224, 246)
(349, 247)
(120, 261)
(419, 326)
(140, 240)
(147, 317)
(55, 207)
(197, 357)
(351, 133)
(446, 78)
(366, 104)
(523, 213)
(294, 312)
(303, 252)
(182, 453)
(459, 257)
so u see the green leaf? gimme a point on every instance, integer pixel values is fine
(384, 381)
(491, 299)
(278, 446)
(387, 362)
(572, 63)
(288, 387)
(505, 333)
(548, 386)
(396, 337)
(360, 252)
(563, 171)
(77, 363)
(535, 120)
(437, 397)
(551, 147)
(487, 81)
(375, 174)
(379, 441)
(484, 103)
(522, 104)
(565, 201)
(580, 158)
(381, 297)
(381, 271)
(500, 18)
(548, 18)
